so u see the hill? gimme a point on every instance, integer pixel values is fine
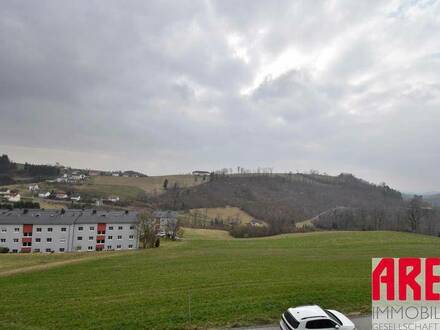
(433, 199)
(228, 282)
(152, 185)
(217, 217)
(11, 172)
(283, 200)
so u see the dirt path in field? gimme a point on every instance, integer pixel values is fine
(54, 264)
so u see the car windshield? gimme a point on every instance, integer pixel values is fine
(333, 317)
(290, 320)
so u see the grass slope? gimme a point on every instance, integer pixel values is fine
(127, 188)
(229, 282)
(224, 214)
(206, 234)
(151, 184)
(20, 263)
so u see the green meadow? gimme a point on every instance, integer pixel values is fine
(204, 281)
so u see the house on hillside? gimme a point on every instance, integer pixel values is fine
(44, 194)
(78, 177)
(61, 195)
(256, 223)
(113, 199)
(34, 188)
(164, 219)
(76, 198)
(14, 197)
(201, 173)
(94, 173)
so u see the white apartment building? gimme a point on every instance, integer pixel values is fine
(67, 230)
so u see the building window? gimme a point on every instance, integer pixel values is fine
(131, 237)
(109, 237)
(38, 240)
(15, 240)
(120, 227)
(38, 229)
(118, 246)
(90, 238)
(90, 248)
(27, 244)
(4, 230)
(130, 246)
(16, 229)
(119, 236)
(63, 229)
(79, 238)
(50, 229)
(80, 228)
(61, 249)
(100, 241)
(14, 250)
(92, 228)
(36, 250)
(48, 250)
(27, 234)
(78, 248)
(109, 247)
(49, 239)
(110, 228)
(101, 232)
(3, 240)
(131, 227)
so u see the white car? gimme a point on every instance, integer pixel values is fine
(314, 317)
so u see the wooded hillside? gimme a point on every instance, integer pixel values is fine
(282, 200)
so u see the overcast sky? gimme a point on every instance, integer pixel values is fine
(171, 86)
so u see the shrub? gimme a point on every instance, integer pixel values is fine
(4, 249)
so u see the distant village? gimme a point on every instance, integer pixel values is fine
(68, 176)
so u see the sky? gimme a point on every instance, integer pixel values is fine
(172, 86)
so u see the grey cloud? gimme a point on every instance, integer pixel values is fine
(157, 86)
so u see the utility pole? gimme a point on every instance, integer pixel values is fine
(189, 307)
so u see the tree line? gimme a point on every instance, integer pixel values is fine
(9, 168)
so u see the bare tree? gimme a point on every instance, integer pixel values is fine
(378, 215)
(173, 228)
(414, 212)
(147, 230)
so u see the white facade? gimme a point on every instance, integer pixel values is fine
(14, 198)
(66, 231)
(118, 236)
(10, 236)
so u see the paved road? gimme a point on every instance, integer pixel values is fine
(361, 322)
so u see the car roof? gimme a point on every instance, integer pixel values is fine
(308, 312)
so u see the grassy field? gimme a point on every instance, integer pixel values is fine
(205, 234)
(224, 214)
(21, 263)
(151, 184)
(221, 281)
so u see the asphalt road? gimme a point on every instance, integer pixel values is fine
(361, 322)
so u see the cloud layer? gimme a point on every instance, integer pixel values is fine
(171, 86)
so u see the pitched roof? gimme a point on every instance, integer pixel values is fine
(88, 216)
(69, 217)
(164, 214)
